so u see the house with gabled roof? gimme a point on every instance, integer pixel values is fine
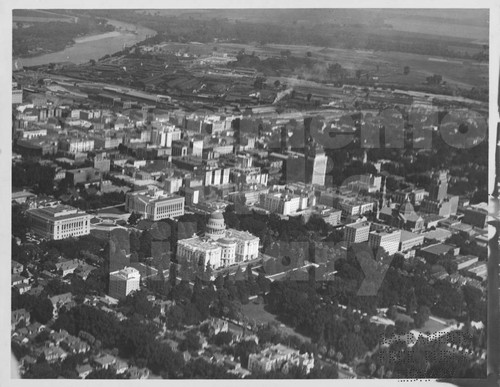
(83, 370)
(19, 315)
(53, 354)
(105, 361)
(65, 268)
(65, 299)
(138, 373)
(75, 345)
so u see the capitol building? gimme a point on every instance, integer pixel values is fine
(220, 246)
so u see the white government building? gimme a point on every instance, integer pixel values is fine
(59, 222)
(220, 246)
(154, 204)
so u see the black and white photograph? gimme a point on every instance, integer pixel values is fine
(255, 193)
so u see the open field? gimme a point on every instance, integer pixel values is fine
(387, 66)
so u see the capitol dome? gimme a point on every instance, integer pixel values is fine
(216, 227)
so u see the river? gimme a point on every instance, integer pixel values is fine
(94, 46)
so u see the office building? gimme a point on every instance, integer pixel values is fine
(154, 204)
(388, 240)
(217, 176)
(409, 240)
(283, 203)
(123, 282)
(76, 145)
(357, 232)
(475, 216)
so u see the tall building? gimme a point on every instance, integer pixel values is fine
(310, 169)
(217, 176)
(154, 204)
(123, 282)
(439, 186)
(438, 201)
(389, 240)
(59, 222)
(316, 168)
(356, 232)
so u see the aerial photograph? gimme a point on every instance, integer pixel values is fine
(249, 193)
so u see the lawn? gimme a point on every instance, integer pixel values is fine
(257, 313)
(432, 326)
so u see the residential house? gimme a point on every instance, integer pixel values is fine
(17, 268)
(105, 361)
(65, 299)
(17, 279)
(75, 345)
(19, 315)
(53, 354)
(22, 288)
(58, 337)
(120, 366)
(35, 328)
(138, 373)
(65, 268)
(83, 270)
(83, 370)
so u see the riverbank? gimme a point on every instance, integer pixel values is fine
(93, 47)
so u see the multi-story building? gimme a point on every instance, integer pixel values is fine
(76, 145)
(83, 175)
(154, 204)
(219, 247)
(309, 169)
(164, 135)
(464, 261)
(283, 203)
(475, 216)
(368, 183)
(357, 232)
(350, 204)
(249, 196)
(172, 184)
(330, 215)
(247, 244)
(194, 249)
(388, 240)
(249, 175)
(409, 240)
(123, 282)
(102, 163)
(59, 222)
(439, 186)
(17, 96)
(217, 176)
(438, 201)
(279, 357)
(107, 142)
(316, 166)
